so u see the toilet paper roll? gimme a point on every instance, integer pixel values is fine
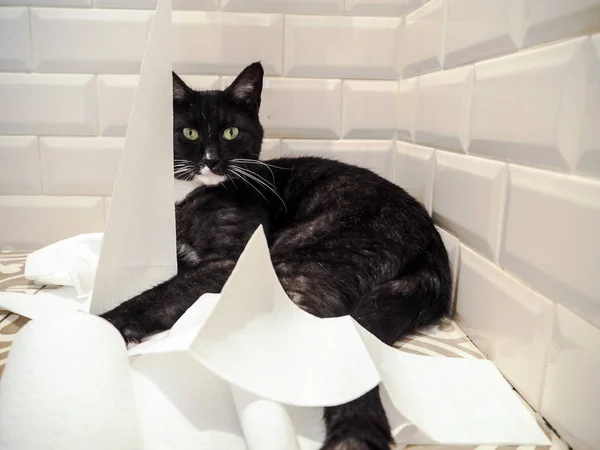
(266, 423)
(67, 385)
(183, 406)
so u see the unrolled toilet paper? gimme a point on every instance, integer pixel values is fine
(266, 424)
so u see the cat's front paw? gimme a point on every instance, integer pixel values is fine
(130, 327)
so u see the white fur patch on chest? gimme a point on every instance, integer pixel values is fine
(187, 253)
(207, 177)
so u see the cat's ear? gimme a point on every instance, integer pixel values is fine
(180, 89)
(247, 87)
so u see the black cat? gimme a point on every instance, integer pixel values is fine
(342, 239)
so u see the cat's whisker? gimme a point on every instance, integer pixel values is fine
(186, 175)
(234, 171)
(181, 170)
(229, 177)
(241, 177)
(263, 182)
(260, 162)
(258, 178)
(184, 170)
(252, 161)
(183, 166)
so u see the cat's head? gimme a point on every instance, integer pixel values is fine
(213, 129)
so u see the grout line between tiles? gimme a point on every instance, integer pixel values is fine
(31, 52)
(443, 35)
(284, 25)
(521, 28)
(470, 89)
(41, 169)
(500, 220)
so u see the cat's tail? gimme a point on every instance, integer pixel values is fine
(413, 300)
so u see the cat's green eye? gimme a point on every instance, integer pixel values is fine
(231, 133)
(190, 134)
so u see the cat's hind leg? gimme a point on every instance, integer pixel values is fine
(362, 423)
(398, 307)
(390, 310)
(358, 425)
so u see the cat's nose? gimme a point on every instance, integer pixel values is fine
(211, 163)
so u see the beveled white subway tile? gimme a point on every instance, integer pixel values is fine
(571, 399)
(202, 82)
(528, 107)
(549, 20)
(127, 4)
(203, 5)
(373, 155)
(414, 168)
(369, 109)
(116, 94)
(88, 40)
(271, 149)
(50, 3)
(407, 108)
(19, 165)
(480, 29)
(300, 107)
(588, 155)
(452, 245)
(422, 43)
(468, 199)
(382, 7)
(286, 6)
(210, 42)
(551, 237)
(56, 104)
(15, 41)
(115, 98)
(32, 222)
(79, 166)
(443, 105)
(341, 47)
(509, 322)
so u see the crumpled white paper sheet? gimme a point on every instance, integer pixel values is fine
(142, 200)
(70, 263)
(74, 263)
(255, 369)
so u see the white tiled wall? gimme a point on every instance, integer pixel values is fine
(487, 111)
